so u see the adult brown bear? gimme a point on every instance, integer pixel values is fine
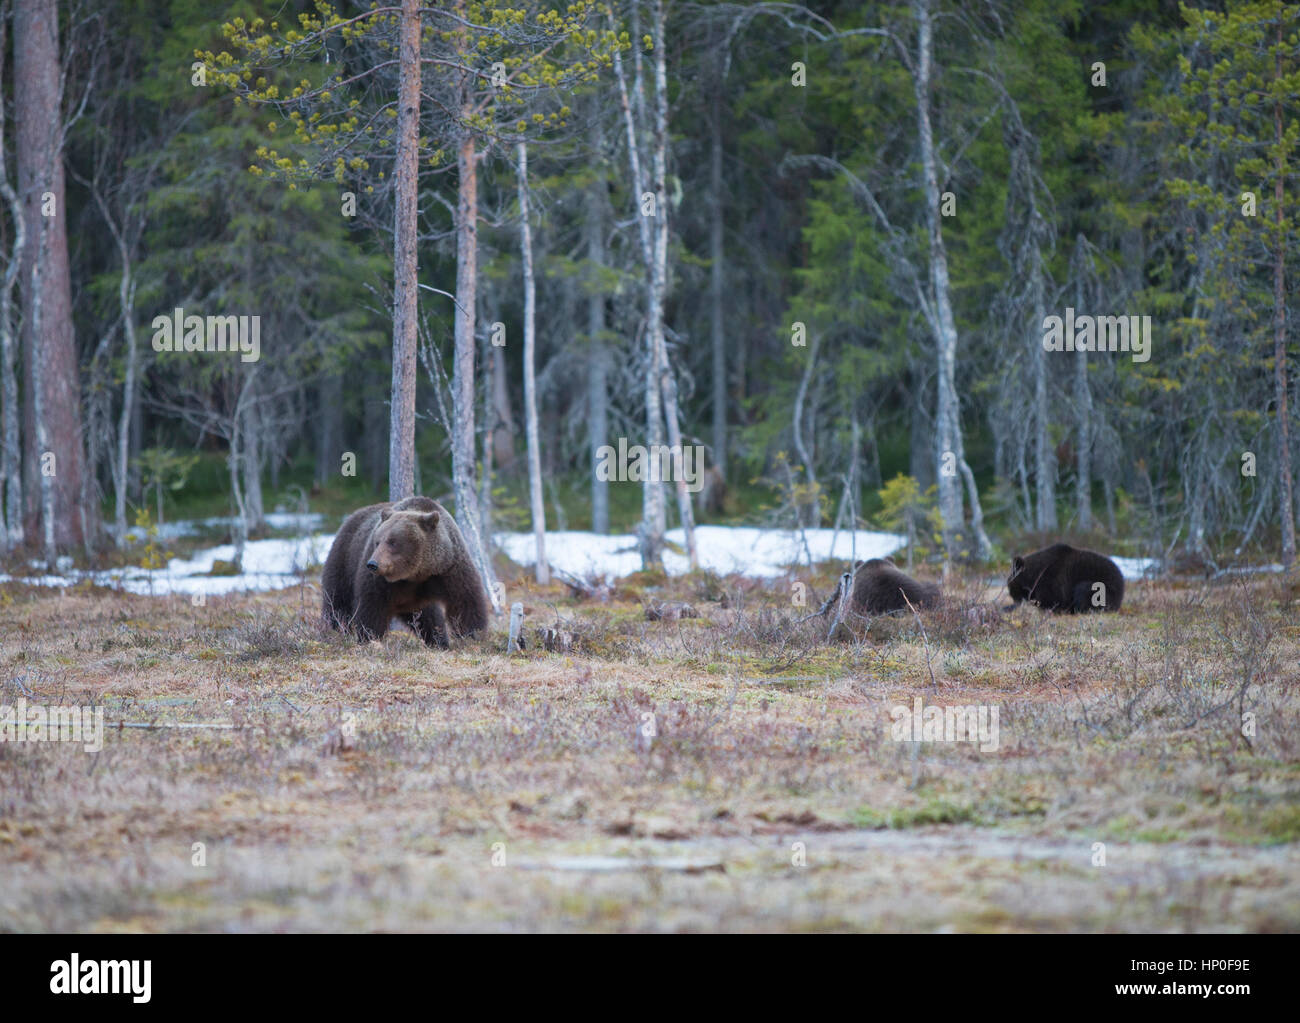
(409, 560)
(1064, 578)
(879, 587)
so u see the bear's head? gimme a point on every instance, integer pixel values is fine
(877, 563)
(408, 545)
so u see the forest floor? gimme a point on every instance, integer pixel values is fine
(731, 771)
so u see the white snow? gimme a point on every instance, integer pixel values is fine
(188, 527)
(1136, 568)
(748, 550)
(280, 563)
(268, 565)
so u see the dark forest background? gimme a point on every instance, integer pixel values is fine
(869, 211)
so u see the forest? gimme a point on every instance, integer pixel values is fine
(823, 244)
(648, 466)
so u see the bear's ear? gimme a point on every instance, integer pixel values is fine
(429, 521)
(1017, 565)
(385, 514)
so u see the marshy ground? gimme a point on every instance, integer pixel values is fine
(390, 787)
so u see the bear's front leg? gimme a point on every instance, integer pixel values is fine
(430, 624)
(335, 612)
(373, 611)
(371, 623)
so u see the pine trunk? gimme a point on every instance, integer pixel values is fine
(39, 121)
(401, 438)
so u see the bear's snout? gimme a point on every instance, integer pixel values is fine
(372, 565)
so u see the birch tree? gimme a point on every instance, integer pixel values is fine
(492, 71)
(537, 504)
(11, 467)
(598, 364)
(650, 131)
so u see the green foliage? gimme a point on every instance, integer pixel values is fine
(153, 555)
(163, 469)
(906, 510)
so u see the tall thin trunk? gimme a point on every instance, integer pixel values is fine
(134, 483)
(812, 517)
(486, 521)
(1044, 455)
(126, 298)
(126, 309)
(653, 519)
(39, 126)
(502, 433)
(463, 434)
(717, 284)
(950, 452)
(48, 473)
(1083, 421)
(401, 440)
(946, 421)
(598, 354)
(667, 381)
(235, 465)
(1286, 507)
(251, 462)
(543, 572)
(11, 473)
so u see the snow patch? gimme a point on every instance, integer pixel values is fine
(268, 565)
(279, 563)
(296, 521)
(1137, 568)
(762, 553)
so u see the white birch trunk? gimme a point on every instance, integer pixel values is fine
(950, 450)
(543, 572)
(11, 472)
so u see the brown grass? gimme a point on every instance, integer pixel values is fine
(365, 787)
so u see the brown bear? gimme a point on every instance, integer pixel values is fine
(879, 587)
(409, 560)
(1064, 578)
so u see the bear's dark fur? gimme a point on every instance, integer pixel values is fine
(1063, 578)
(409, 560)
(879, 587)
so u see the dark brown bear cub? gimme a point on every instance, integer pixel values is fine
(408, 560)
(879, 587)
(1065, 578)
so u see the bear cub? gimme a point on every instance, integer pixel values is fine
(879, 587)
(406, 560)
(1064, 578)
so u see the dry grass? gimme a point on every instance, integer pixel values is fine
(392, 787)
